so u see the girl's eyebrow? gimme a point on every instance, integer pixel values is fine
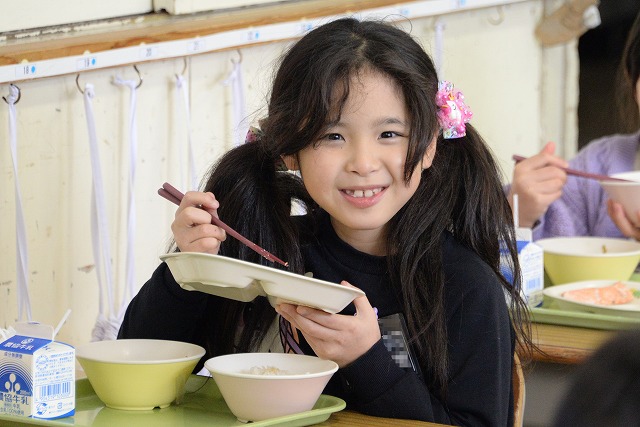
(389, 121)
(379, 122)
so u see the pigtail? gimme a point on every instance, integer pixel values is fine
(461, 193)
(480, 214)
(255, 200)
(482, 218)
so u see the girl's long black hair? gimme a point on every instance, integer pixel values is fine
(461, 192)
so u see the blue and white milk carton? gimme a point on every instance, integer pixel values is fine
(37, 374)
(531, 261)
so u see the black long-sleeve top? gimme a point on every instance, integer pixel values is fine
(480, 337)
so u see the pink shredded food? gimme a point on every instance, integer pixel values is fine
(617, 293)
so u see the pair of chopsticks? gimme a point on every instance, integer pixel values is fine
(580, 173)
(174, 195)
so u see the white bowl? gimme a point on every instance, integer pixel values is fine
(574, 259)
(295, 387)
(625, 193)
(138, 374)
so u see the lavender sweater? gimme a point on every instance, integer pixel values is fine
(582, 209)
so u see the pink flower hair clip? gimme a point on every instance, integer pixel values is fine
(453, 113)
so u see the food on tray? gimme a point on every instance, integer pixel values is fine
(617, 293)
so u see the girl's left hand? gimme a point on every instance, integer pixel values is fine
(337, 337)
(620, 219)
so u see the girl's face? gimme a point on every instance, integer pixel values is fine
(356, 170)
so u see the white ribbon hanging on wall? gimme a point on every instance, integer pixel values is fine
(182, 88)
(239, 110)
(106, 326)
(22, 256)
(131, 211)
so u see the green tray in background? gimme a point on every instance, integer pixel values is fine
(549, 313)
(202, 405)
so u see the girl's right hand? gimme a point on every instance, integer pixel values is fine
(339, 337)
(192, 228)
(538, 181)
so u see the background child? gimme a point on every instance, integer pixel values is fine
(561, 205)
(605, 390)
(411, 218)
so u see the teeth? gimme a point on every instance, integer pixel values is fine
(363, 193)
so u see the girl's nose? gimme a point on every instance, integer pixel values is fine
(363, 158)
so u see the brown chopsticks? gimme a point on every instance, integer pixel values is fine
(174, 195)
(582, 174)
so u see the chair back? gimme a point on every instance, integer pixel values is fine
(518, 392)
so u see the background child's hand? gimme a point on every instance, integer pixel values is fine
(337, 337)
(620, 219)
(192, 228)
(538, 182)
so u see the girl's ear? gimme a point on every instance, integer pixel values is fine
(427, 159)
(291, 162)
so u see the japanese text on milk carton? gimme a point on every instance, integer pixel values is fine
(37, 375)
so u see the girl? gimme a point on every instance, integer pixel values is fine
(392, 207)
(557, 205)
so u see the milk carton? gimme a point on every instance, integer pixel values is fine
(531, 261)
(37, 374)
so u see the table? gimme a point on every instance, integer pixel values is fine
(351, 418)
(566, 344)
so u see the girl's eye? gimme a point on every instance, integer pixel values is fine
(332, 137)
(389, 134)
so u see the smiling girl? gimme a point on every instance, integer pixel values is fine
(392, 207)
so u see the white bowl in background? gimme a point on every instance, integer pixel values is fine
(625, 193)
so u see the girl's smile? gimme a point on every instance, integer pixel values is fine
(364, 198)
(364, 193)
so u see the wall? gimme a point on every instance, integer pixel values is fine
(499, 66)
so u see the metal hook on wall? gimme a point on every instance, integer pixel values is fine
(499, 19)
(184, 68)
(78, 83)
(19, 95)
(239, 60)
(135, 67)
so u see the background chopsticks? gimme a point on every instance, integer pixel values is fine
(582, 174)
(174, 195)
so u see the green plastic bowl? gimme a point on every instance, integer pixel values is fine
(138, 374)
(575, 259)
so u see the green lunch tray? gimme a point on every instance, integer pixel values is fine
(202, 405)
(549, 313)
